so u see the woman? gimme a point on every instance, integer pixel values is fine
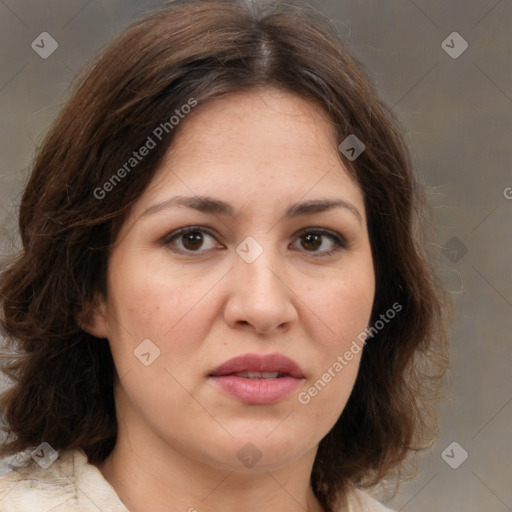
(221, 302)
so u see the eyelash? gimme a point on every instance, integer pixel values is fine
(339, 241)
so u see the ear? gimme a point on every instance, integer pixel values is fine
(93, 318)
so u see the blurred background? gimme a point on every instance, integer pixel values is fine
(445, 68)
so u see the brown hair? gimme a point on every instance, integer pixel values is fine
(62, 390)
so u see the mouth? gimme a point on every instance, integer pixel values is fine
(258, 379)
(260, 375)
(255, 366)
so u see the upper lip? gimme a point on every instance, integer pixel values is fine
(259, 363)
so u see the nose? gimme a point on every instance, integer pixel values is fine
(259, 296)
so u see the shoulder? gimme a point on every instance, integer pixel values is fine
(360, 501)
(69, 484)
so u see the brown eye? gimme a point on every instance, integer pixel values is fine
(312, 242)
(320, 242)
(190, 240)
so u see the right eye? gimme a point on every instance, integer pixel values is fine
(189, 240)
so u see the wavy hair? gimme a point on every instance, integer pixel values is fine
(63, 378)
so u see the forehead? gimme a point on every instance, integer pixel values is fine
(250, 120)
(253, 140)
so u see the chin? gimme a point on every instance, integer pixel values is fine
(258, 452)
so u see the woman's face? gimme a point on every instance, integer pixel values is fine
(266, 268)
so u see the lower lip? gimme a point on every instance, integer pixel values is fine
(257, 391)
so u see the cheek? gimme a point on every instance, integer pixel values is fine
(148, 298)
(345, 309)
(344, 305)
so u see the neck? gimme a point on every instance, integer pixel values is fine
(169, 481)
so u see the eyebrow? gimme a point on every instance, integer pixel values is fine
(210, 205)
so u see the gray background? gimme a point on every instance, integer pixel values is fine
(457, 116)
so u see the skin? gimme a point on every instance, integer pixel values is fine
(261, 151)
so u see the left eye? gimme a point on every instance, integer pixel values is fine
(317, 242)
(314, 240)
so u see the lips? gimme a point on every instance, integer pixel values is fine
(258, 380)
(250, 365)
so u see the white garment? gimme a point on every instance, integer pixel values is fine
(70, 484)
